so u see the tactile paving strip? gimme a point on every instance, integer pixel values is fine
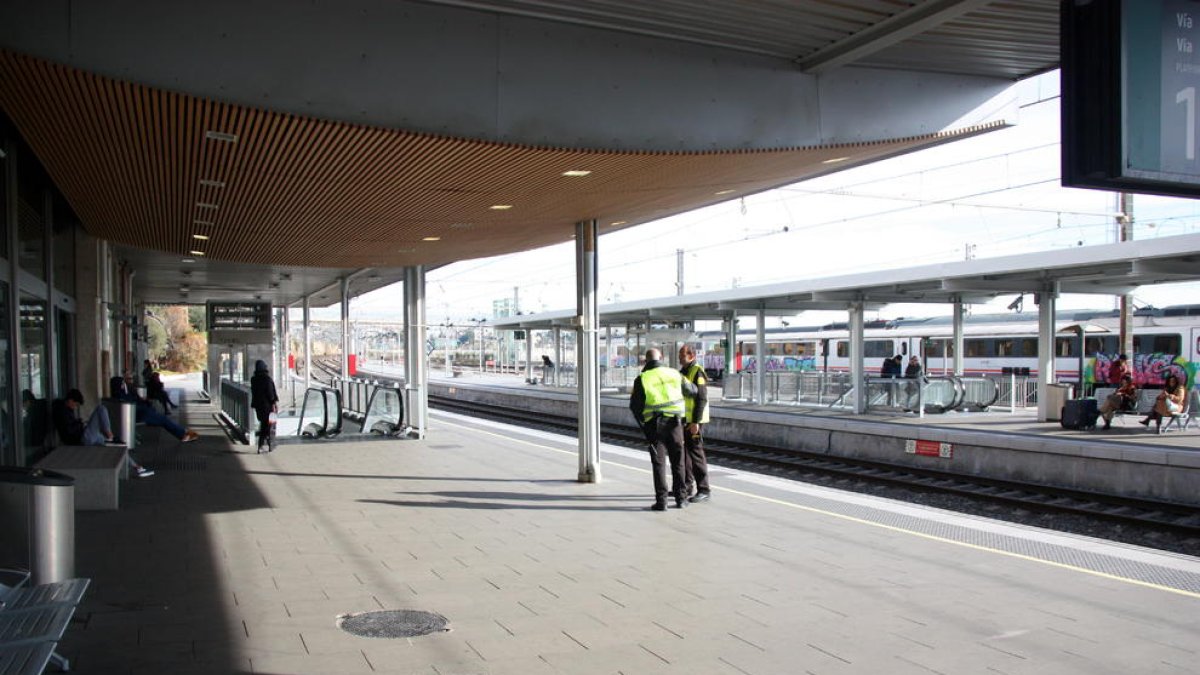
(1032, 547)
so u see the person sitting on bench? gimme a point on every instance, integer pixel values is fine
(122, 390)
(1123, 399)
(95, 432)
(157, 391)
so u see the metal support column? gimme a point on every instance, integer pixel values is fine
(53, 356)
(306, 319)
(857, 380)
(15, 456)
(529, 355)
(345, 369)
(587, 370)
(760, 358)
(1047, 300)
(558, 355)
(958, 338)
(414, 349)
(731, 327)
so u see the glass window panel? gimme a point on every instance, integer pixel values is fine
(64, 248)
(8, 445)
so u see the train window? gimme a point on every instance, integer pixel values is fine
(1066, 346)
(1093, 345)
(1006, 347)
(976, 348)
(1026, 347)
(1162, 343)
(747, 348)
(877, 349)
(843, 349)
(903, 347)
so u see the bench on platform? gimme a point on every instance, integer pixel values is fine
(97, 471)
(1146, 399)
(33, 620)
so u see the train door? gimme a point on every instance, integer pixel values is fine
(1195, 348)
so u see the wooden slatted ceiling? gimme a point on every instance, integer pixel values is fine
(140, 168)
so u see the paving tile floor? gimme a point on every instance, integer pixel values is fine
(232, 562)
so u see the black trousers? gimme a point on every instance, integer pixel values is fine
(695, 463)
(264, 426)
(666, 446)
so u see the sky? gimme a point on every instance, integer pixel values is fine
(992, 195)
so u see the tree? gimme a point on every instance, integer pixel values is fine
(183, 348)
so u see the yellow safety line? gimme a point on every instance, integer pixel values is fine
(892, 528)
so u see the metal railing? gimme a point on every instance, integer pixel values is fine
(235, 403)
(932, 394)
(1016, 391)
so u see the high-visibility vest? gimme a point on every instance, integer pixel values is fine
(663, 387)
(695, 374)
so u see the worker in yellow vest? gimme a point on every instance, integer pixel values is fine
(657, 402)
(695, 416)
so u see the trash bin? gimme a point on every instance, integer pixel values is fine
(1056, 398)
(123, 415)
(37, 517)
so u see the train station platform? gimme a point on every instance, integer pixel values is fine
(1124, 460)
(228, 561)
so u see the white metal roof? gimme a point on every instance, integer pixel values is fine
(1110, 269)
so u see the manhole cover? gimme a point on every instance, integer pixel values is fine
(393, 623)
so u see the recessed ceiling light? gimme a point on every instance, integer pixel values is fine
(405, 250)
(203, 205)
(576, 173)
(618, 222)
(431, 238)
(184, 288)
(500, 207)
(221, 136)
(197, 253)
(211, 183)
(201, 237)
(188, 260)
(835, 160)
(723, 192)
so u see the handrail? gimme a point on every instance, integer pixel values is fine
(325, 410)
(385, 412)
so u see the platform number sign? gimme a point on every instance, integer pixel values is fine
(1131, 87)
(1178, 74)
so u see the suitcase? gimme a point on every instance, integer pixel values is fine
(1080, 414)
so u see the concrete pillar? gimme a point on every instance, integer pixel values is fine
(958, 337)
(414, 349)
(1047, 300)
(857, 367)
(587, 371)
(760, 358)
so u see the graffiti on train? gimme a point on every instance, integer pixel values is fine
(1148, 369)
(784, 363)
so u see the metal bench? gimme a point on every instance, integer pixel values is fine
(1145, 402)
(97, 471)
(33, 620)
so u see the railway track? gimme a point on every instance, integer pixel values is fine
(1122, 513)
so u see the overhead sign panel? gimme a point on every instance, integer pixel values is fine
(1131, 86)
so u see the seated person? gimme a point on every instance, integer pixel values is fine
(1168, 403)
(156, 391)
(122, 390)
(1124, 398)
(96, 431)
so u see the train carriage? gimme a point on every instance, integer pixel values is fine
(1165, 341)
